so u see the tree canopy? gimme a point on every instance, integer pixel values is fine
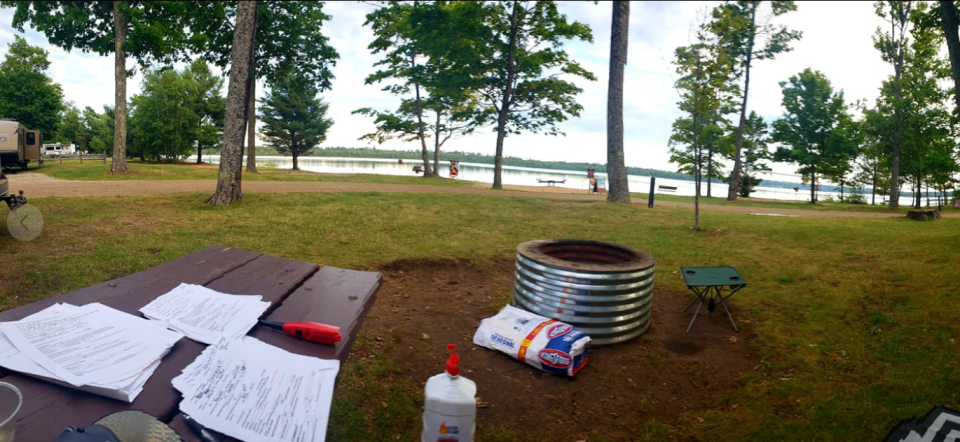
(148, 31)
(413, 67)
(511, 56)
(737, 26)
(27, 94)
(815, 128)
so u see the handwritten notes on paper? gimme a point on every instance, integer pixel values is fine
(206, 315)
(254, 391)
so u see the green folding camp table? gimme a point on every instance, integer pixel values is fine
(709, 283)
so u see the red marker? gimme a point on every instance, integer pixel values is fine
(310, 331)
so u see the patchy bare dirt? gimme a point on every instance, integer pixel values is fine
(657, 376)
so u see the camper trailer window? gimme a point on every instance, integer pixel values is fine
(31, 138)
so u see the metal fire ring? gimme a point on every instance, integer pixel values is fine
(604, 289)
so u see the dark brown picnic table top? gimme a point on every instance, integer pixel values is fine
(298, 291)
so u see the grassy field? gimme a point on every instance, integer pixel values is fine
(856, 317)
(93, 171)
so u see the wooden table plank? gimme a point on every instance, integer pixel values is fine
(49, 409)
(332, 296)
(199, 267)
(273, 278)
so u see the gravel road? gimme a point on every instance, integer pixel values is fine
(38, 185)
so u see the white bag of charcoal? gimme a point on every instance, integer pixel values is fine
(544, 343)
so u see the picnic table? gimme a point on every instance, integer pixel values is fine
(297, 290)
(551, 183)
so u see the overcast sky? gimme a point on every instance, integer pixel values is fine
(836, 40)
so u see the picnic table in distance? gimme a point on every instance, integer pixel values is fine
(297, 290)
(551, 182)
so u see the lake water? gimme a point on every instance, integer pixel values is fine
(523, 176)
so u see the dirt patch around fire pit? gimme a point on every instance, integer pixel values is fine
(422, 306)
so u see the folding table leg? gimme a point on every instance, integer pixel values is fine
(724, 304)
(699, 298)
(695, 316)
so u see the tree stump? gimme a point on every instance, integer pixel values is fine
(923, 215)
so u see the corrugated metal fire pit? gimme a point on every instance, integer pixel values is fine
(604, 289)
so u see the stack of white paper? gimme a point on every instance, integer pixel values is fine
(254, 391)
(206, 315)
(93, 348)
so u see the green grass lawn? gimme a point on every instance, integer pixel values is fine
(856, 317)
(97, 171)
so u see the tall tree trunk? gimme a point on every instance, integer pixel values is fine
(427, 172)
(252, 125)
(919, 193)
(709, 167)
(813, 186)
(950, 23)
(507, 96)
(898, 94)
(616, 164)
(234, 127)
(696, 171)
(296, 166)
(252, 108)
(735, 173)
(119, 164)
(873, 194)
(199, 144)
(436, 144)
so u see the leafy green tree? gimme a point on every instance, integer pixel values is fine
(844, 154)
(71, 129)
(685, 151)
(815, 130)
(511, 54)
(874, 162)
(927, 146)
(163, 118)
(737, 26)
(203, 89)
(402, 46)
(294, 117)
(755, 152)
(704, 88)
(145, 30)
(910, 117)
(412, 38)
(289, 38)
(893, 47)
(99, 139)
(27, 94)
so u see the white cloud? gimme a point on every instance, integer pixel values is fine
(836, 41)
